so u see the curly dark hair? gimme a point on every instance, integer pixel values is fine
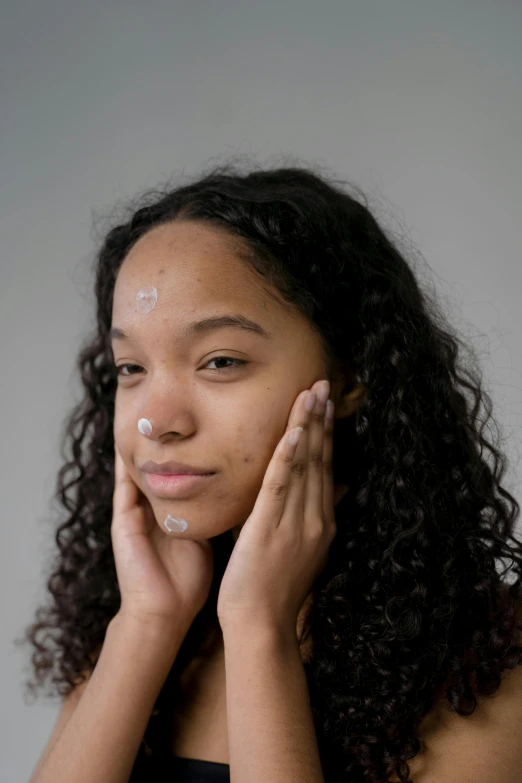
(411, 603)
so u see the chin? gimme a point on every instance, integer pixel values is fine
(198, 529)
(209, 513)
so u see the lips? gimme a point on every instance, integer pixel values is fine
(175, 485)
(174, 468)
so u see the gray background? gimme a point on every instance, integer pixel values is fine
(417, 102)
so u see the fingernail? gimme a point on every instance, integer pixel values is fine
(310, 402)
(294, 436)
(323, 392)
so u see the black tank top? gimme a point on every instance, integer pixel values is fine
(197, 771)
(164, 767)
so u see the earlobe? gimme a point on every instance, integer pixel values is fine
(348, 403)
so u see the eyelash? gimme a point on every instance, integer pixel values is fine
(239, 363)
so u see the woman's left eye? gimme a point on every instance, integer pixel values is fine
(238, 362)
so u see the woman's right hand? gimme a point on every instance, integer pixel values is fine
(161, 578)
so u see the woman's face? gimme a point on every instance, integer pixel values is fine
(220, 416)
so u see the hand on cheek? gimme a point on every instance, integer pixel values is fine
(284, 543)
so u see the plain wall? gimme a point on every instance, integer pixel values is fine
(419, 103)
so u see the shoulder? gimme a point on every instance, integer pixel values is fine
(484, 747)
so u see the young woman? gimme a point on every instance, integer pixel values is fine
(323, 610)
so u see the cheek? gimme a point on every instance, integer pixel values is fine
(248, 459)
(254, 446)
(123, 434)
(127, 438)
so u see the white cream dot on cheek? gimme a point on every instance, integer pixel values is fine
(175, 524)
(144, 426)
(146, 299)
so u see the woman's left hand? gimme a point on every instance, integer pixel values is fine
(283, 545)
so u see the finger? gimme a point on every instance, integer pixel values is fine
(328, 483)
(306, 502)
(270, 501)
(295, 416)
(295, 506)
(314, 500)
(125, 495)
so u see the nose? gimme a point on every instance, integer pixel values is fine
(165, 410)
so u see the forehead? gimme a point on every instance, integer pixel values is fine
(192, 266)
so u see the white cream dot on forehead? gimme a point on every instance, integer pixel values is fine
(144, 426)
(146, 299)
(175, 524)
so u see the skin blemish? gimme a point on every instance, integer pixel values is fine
(146, 299)
(144, 426)
(175, 524)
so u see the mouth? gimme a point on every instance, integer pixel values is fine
(173, 485)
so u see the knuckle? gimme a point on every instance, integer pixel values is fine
(316, 528)
(316, 457)
(328, 466)
(277, 488)
(299, 468)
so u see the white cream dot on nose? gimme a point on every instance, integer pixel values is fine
(144, 426)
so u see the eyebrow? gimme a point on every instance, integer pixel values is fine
(207, 325)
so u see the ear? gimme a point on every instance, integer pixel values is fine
(346, 393)
(346, 403)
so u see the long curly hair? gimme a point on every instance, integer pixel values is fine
(413, 601)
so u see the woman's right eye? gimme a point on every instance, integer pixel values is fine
(118, 368)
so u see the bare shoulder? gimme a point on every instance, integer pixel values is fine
(484, 747)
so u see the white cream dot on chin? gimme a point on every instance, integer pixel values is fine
(175, 524)
(144, 426)
(146, 299)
